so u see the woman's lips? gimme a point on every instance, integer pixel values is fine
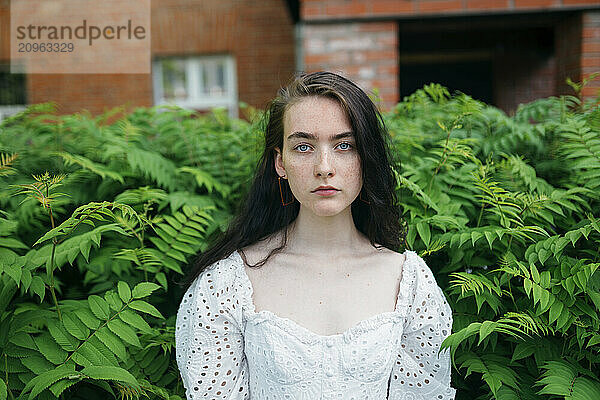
(326, 192)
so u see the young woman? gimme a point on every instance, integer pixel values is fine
(304, 296)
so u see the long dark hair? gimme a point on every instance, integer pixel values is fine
(263, 214)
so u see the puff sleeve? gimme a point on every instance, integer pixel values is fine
(209, 345)
(421, 372)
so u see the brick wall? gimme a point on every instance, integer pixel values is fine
(578, 52)
(365, 52)
(335, 9)
(590, 51)
(4, 30)
(260, 35)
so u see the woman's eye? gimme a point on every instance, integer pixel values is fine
(341, 144)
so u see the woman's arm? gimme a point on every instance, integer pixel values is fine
(420, 372)
(209, 345)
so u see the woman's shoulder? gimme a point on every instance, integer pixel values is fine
(218, 276)
(423, 282)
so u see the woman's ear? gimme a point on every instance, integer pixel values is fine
(279, 162)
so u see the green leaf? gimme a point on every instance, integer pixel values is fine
(527, 285)
(149, 357)
(37, 364)
(50, 349)
(144, 289)
(110, 373)
(107, 354)
(61, 336)
(38, 287)
(140, 305)
(555, 311)
(475, 236)
(594, 340)
(162, 279)
(3, 390)
(124, 332)
(14, 271)
(544, 298)
(93, 354)
(537, 293)
(569, 284)
(176, 224)
(88, 318)
(124, 291)
(58, 387)
(113, 342)
(535, 275)
(12, 243)
(113, 300)
(176, 255)
(43, 381)
(424, 232)
(23, 339)
(523, 350)
(75, 327)
(490, 238)
(487, 327)
(133, 319)
(99, 307)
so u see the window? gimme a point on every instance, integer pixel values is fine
(13, 96)
(198, 83)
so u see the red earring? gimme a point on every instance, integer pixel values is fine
(360, 198)
(281, 193)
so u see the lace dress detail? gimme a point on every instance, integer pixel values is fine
(227, 350)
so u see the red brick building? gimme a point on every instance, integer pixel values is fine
(204, 53)
(220, 52)
(504, 52)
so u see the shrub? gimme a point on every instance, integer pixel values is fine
(106, 216)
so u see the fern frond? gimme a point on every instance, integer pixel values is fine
(89, 165)
(5, 164)
(494, 368)
(203, 179)
(87, 213)
(475, 283)
(150, 164)
(141, 195)
(178, 237)
(565, 378)
(580, 147)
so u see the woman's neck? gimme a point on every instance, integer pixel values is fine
(329, 237)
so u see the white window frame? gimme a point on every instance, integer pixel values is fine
(196, 100)
(7, 111)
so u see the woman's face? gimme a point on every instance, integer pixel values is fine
(313, 157)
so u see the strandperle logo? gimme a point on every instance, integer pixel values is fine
(80, 36)
(82, 31)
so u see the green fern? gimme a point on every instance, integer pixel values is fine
(581, 147)
(569, 381)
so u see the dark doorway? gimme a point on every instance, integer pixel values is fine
(471, 77)
(502, 60)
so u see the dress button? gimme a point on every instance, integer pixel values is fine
(329, 342)
(329, 373)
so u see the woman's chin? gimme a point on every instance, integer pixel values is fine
(328, 210)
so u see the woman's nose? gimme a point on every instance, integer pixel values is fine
(324, 164)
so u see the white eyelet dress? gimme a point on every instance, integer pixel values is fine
(227, 350)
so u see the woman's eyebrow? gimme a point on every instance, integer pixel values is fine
(311, 136)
